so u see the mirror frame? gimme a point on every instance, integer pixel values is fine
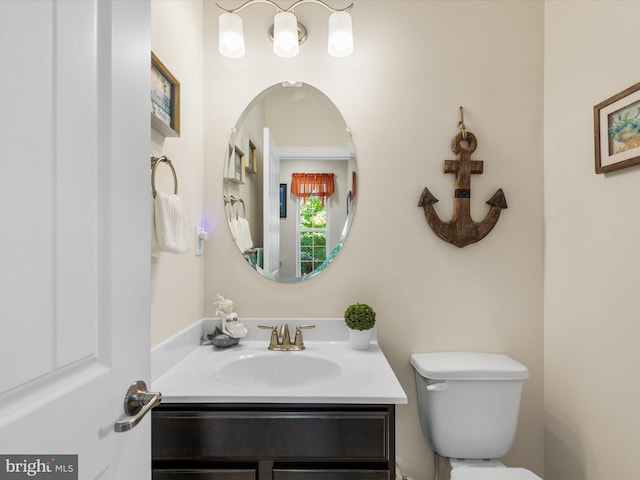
(239, 163)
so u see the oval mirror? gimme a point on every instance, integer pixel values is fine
(290, 182)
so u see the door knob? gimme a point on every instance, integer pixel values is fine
(137, 402)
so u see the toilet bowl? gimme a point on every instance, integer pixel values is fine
(507, 473)
(487, 470)
(469, 405)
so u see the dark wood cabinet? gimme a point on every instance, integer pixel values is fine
(273, 441)
(193, 474)
(311, 474)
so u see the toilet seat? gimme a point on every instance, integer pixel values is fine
(508, 473)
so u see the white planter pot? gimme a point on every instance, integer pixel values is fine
(360, 339)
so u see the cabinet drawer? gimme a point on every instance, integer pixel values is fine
(331, 474)
(302, 434)
(218, 474)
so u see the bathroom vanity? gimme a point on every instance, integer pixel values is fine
(275, 441)
(247, 413)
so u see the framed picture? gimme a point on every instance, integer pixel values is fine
(353, 183)
(238, 165)
(283, 200)
(252, 160)
(617, 130)
(229, 169)
(165, 99)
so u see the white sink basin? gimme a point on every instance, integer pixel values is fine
(284, 369)
(328, 371)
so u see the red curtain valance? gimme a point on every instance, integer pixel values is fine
(304, 185)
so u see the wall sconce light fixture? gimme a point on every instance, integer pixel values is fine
(286, 32)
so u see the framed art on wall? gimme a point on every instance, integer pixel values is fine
(239, 164)
(252, 161)
(617, 130)
(165, 99)
(283, 200)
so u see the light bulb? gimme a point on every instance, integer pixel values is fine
(285, 35)
(340, 34)
(231, 36)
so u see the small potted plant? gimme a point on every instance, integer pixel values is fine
(360, 318)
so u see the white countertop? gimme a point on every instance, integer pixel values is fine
(365, 377)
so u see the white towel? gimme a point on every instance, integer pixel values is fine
(234, 226)
(245, 233)
(170, 224)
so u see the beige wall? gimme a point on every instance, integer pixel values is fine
(429, 295)
(415, 63)
(177, 280)
(592, 226)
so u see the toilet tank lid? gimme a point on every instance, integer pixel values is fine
(468, 366)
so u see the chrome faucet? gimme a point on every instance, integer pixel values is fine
(282, 341)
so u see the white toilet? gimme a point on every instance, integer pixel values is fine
(469, 405)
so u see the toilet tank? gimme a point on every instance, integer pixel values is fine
(468, 402)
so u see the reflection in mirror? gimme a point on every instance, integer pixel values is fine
(290, 182)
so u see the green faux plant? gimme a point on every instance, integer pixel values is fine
(360, 316)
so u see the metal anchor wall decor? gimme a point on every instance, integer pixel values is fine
(461, 230)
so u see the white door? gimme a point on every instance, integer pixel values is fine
(271, 199)
(74, 243)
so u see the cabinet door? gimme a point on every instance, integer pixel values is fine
(348, 435)
(218, 474)
(288, 474)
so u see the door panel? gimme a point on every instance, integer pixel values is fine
(75, 160)
(271, 219)
(26, 194)
(75, 276)
(50, 426)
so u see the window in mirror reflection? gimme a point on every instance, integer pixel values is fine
(313, 192)
(312, 234)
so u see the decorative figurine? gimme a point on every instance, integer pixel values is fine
(232, 330)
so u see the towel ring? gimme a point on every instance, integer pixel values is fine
(154, 164)
(244, 208)
(233, 207)
(228, 208)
